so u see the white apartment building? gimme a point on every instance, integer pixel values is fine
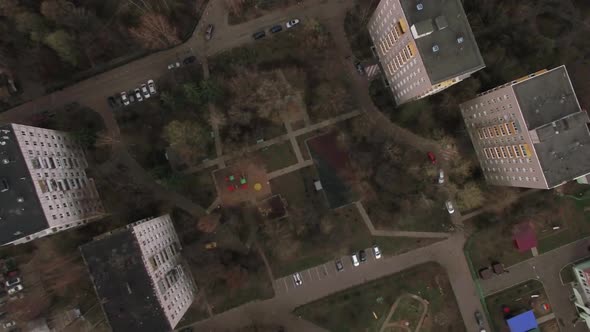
(530, 132)
(139, 268)
(44, 184)
(423, 46)
(581, 289)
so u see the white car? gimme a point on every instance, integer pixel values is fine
(9, 324)
(355, 259)
(152, 87)
(441, 177)
(450, 207)
(144, 91)
(124, 98)
(174, 65)
(292, 23)
(138, 96)
(15, 289)
(297, 279)
(376, 252)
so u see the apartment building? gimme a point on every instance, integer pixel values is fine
(423, 46)
(581, 290)
(43, 184)
(140, 277)
(530, 132)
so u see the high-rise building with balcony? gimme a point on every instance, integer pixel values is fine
(530, 132)
(423, 46)
(581, 291)
(43, 184)
(139, 276)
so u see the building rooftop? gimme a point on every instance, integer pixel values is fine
(546, 97)
(524, 322)
(551, 110)
(21, 213)
(450, 49)
(122, 283)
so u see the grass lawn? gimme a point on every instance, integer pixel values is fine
(313, 234)
(197, 187)
(408, 309)
(277, 156)
(352, 309)
(546, 209)
(518, 299)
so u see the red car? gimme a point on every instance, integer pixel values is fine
(432, 157)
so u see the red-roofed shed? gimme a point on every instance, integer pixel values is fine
(524, 236)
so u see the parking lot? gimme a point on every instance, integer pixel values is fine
(327, 270)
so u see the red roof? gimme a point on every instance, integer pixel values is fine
(524, 236)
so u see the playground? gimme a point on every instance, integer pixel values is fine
(244, 181)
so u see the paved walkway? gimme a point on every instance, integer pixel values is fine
(546, 268)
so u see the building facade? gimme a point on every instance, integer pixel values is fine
(581, 289)
(530, 132)
(139, 268)
(44, 184)
(423, 46)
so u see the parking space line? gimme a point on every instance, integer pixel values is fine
(310, 277)
(326, 269)
(286, 286)
(318, 273)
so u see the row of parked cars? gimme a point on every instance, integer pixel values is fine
(275, 29)
(357, 259)
(12, 286)
(145, 91)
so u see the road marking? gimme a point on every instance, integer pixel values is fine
(326, 269)
(310, 277)
(318, 272)
(286, 286)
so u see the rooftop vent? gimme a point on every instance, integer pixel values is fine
(435, 48)
(2, 142)
(419, 6)
(5, 161)
(441, 22)
(20, 199)
(460, 40)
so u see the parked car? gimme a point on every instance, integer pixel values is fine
(4, 186)
(258, 35)
(209, 32)
(450, 207)
(15, 289)
(339, 266)
(174, 65)
(297, 279)
(479, 320)
(359, 67)
(131, 96)
(124, 98)
(112, 102)
(376, 252)
(152, 87)
(12, 282)
(189, 60)
(292, 23)
(363, 256)
(441, 176)
(431, 157)
(144, 91)
(9, 324)
(276, 28)
(355, 259)
(138, 96)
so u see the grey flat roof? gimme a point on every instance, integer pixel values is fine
(122, 283)
(546, 97)
(17, 219)
(452, 59)
(564, 155)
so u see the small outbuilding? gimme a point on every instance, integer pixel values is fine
(524, 236)
(525, 322)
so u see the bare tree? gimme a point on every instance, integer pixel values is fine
(209, 223)
(235, 6)
(155, 32)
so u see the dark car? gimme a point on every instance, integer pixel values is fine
(359, 68)
(339, 266)
(209, 32)
(363, 256)
(189, 60)
(276, 28)
(479, 319)
(112, 102)
(259, 35)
